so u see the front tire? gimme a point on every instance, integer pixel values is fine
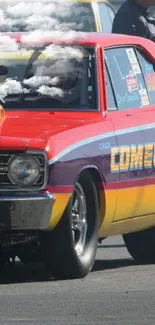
(141, 245)
(69, 250)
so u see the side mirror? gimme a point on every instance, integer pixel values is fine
(3, 70)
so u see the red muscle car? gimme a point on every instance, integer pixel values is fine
(77, 148)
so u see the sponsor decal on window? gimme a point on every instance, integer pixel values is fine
(132, 83)
(144, 97)
(133, 60)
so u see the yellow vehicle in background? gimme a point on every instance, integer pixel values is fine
(80, 15)
(102, 12)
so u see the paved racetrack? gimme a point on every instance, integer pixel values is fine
(116, 292)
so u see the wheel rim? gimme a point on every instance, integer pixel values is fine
(79, 220)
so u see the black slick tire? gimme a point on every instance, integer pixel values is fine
(141, 245)
(57, 246)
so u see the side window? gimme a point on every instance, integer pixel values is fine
(105, 18)
(148, 69)
(111, 103)
(127, 79)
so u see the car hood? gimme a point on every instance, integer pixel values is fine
(28, 129)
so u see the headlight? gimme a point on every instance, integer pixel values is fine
(23, 170)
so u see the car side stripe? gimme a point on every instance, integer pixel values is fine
(100, 137)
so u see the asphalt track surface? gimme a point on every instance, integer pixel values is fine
(117, 291)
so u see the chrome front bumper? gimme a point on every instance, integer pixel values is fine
(25, 211)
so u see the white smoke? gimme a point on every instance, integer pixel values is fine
(30, 15)
(11, 87)
(59, 61)
(7, 44)
(36, 81)
(41, 20)
(50, 91)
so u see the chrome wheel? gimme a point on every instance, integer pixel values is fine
(76, 235)
(79, 219)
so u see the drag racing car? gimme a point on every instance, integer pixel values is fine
(77, 148)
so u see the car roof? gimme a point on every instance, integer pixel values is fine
(77, 38)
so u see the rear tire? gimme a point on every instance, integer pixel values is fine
(141, 245)
(69, 250)
(29, 257)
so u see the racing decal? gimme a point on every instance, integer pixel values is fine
(132, 157)
(133, 60)
(99, 137)
(132, 83)
(144, 97)
(105, 145)
(150, 80)
(128, 98)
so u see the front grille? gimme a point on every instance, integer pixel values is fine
(5, 182)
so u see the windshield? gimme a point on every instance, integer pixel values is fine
(54, 77)
(46, 15)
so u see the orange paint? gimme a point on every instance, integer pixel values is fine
(2, 114)
(61, 201)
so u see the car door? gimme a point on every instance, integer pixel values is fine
(132, 158)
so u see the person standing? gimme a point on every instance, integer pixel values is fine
(133, 18)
